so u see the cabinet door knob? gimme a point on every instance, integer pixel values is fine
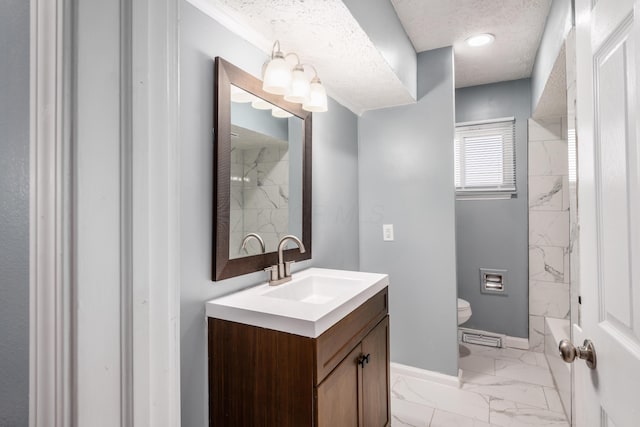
(363, 360)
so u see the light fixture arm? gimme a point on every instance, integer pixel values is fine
(315, 72)
(273, 49)
(293, 54)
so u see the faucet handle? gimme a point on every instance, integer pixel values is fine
(273, 272)
(287, 268)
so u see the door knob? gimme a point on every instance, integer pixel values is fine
(569, 352)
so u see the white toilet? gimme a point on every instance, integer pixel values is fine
(464, 311)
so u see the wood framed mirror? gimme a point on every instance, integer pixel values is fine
(262, 174)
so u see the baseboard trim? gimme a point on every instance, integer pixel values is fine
(516, 342)
(508, 341)
(423, 374)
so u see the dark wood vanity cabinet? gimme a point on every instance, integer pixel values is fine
(356, 393)
(262, 377)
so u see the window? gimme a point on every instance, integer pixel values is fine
(485, 161)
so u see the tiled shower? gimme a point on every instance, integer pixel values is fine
(549, 268)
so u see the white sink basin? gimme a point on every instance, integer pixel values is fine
(314, 289)
(311, 303)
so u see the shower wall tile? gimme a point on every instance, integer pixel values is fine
(273, 173)
(548, 158)
(254, 156)
(546, 193)
(567, 264)
(271, 240)
(549, 228)
(236, 199)
(237, 173)
(545, 130)
(549, 299)
(565, 193)
(536, 333)
(546, 263)
(250, 176)
(549, 225)
(235, 220)
(259, 197)
(251, 220)
(264, 197)
(273, 220)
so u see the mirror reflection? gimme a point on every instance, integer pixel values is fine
(266, 175)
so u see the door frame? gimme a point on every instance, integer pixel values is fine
(149, 215)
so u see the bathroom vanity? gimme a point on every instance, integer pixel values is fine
(312, 352)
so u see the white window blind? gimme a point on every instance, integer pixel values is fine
(485, 161)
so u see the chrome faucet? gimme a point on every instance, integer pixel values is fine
(252, 236)
(281, 273)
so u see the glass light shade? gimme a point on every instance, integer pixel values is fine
(317, 102)
(299, 86)
(261, 104)
(280, 113)
(277, 76)
(240, 95)
(480, 40)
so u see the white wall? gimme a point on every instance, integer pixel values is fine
(335, 193)
(406, 179)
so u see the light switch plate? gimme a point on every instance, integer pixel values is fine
(387, 232)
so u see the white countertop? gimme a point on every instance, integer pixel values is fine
(271, 307)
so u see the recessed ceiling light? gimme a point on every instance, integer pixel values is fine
(480, 40)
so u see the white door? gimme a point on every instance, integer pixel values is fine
(607, 43)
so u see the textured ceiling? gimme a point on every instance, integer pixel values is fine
(325, 34)
(517, 25)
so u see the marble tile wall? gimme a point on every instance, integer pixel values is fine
(259, 197)
(549, 237)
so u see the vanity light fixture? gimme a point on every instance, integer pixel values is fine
(317, 102)
(480, 40)
(241, 96)
(299, 91)
(277, 74)
(261, 104)
(281, 79)
(280, 113)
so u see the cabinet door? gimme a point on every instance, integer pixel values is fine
(375, 376)
(338, 400)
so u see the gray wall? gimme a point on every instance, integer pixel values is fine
(379, 20)
(406, 179)
(335, 193)
(493, 233)
(14, 213)
(558, 25)
(261, 121)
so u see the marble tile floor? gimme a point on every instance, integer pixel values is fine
(500, 387)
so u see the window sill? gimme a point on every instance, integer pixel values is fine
(485, 196)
